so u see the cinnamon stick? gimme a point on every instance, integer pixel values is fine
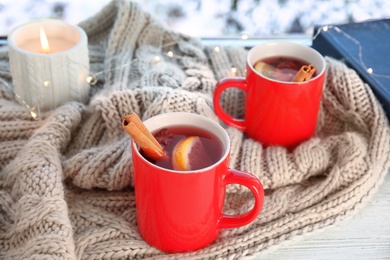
(305, 73)
(133, 117)
(133, 125)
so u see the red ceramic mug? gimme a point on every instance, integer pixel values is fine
(276, 112)
(179, 211)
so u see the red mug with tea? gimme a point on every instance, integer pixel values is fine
(182, 210)
(278, 110)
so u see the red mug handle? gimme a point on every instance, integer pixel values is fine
(221, 86)
(252, 183)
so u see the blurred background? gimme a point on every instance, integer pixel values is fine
(211, 18)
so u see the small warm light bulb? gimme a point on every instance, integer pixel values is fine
(157, 58)
(232, 72)
(44, 41)
(244, 37)
(33, 114)
(170, 54)
(370, 70)
(325, 28)
(216, 49)
(89, 79)
(46, 83)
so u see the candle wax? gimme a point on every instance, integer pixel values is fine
(55, 44)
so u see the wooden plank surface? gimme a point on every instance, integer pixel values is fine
(365, 235)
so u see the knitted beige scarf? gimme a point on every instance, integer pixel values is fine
(66, 180)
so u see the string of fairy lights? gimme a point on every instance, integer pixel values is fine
(92, 78)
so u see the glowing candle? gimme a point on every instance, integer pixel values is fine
(44, 41)
(49, 63)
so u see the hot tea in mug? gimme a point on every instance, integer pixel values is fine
(187, 148)
(283, 68)
(283, 89)
(180, 179)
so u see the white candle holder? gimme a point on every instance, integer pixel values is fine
(46, 80)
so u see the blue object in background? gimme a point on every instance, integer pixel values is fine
(364, 47)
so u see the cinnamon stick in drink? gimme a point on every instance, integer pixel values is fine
(133, 117)
(133, 125)
(305, 73)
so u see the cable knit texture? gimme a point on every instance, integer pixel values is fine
(66, 180)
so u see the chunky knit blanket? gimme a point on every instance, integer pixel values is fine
(66, 179)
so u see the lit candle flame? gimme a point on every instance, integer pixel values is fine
(44, 41)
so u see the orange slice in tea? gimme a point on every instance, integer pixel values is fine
(190, 154)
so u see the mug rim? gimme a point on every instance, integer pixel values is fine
(190, 121)
(286, 45)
